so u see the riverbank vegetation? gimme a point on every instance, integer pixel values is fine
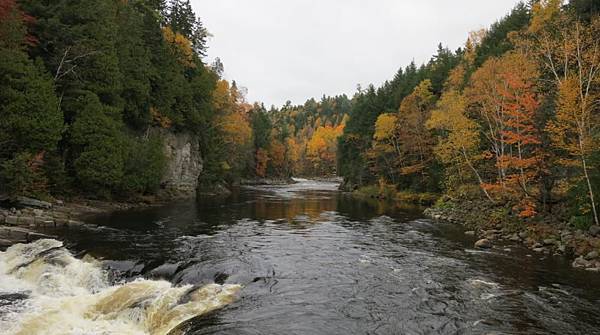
(510, 120)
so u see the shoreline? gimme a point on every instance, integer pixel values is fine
(580, 247)
(32, 222)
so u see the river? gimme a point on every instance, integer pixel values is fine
(296, 259)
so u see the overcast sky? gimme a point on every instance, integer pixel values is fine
(297, 49)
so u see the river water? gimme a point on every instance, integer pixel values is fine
(297, 259)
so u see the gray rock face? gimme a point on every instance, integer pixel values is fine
(184, 164)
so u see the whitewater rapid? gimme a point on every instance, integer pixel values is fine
(45, 290)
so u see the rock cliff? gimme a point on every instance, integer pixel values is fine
(184, 164)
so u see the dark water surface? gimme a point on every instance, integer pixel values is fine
(314, 261)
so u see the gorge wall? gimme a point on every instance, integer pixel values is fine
(184, 164)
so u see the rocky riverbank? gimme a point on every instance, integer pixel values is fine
(267, 181)
(31, 219)
(542, 236)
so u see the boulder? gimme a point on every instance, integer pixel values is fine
(14, 233)
(5, 243)
(470, 233)
(483, 244)
(580, 262)
(523, 235)
(591, 255)
(25, 201)
(594, 230)
(514, 238)
(549, 241)
(11, 220)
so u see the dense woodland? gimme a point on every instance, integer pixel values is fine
(511, 118)
(84, 85)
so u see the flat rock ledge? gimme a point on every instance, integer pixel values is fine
(34, 222)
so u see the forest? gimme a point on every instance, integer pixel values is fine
(84, 85)
(510, 119)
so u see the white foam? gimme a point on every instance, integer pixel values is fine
(71, 296)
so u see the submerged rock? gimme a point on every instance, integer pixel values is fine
(470, 233)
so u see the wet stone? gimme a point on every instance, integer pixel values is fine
(74, 223)
(27, 220)
(5, 243)
(483, 244)
(37, 236)
(591, 255)
(514, 238)
(580, 262)
(470, 233)
(44, 221)
(12, 220)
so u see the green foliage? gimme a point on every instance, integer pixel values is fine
(135, 64)
(98, 146)
(581, 222)
(444, 203)
(496, 41)
(31, 121)
(144, 165)
(261, 128)
(18, 177)
(81, 109)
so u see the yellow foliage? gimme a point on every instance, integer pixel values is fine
(542, 12)
(385, 126)
(322, 147)
(236, 130)
(462, 133)
(181, 45)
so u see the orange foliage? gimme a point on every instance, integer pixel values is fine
(262, 159)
